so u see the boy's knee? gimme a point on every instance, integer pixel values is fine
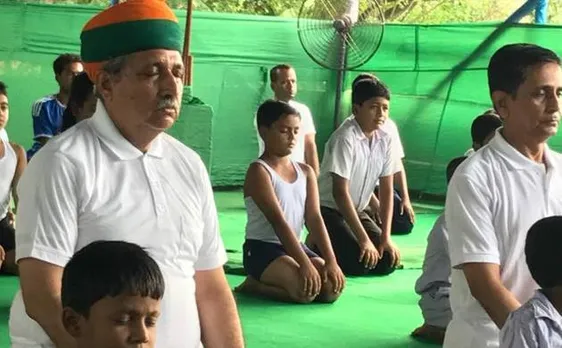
(300, 297)
(327, 295)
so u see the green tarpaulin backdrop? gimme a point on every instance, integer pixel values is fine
(436, 74)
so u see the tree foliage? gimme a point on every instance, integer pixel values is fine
(401, 11)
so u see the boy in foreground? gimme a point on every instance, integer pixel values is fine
(111, 293)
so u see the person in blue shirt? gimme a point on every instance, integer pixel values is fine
(47, 111)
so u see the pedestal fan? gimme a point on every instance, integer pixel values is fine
(340, 35)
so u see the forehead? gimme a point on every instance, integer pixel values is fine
(288, 120)
(377, 101)
(544, 75)
(165, 58)
(3, 99)
(74, 67)
(126, 304)
(286, 74)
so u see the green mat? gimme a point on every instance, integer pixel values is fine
(373, 312)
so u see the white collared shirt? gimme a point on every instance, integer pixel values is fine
(89, 184)
(351, 155)
(306, 128)
(493, 199)
(536, 324)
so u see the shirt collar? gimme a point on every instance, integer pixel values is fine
(359, 132)
(114, 140)
(515, 158)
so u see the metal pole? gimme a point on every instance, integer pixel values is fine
(340, 79)
(522, 11)
(541, 12)
(187, 58)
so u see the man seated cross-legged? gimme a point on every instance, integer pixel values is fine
(281, 196)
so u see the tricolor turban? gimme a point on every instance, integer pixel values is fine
(129, 27)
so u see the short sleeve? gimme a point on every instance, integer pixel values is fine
(518, 334)
(468, 217)
(212, 253)
(307, 122)
(44, 122)
(396, 141)
(339, 157)
(389, 164)
(48, 210)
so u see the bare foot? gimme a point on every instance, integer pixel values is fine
(430, 333)
(248, 286)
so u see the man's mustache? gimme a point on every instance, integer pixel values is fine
(167, 102)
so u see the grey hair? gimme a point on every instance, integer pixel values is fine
(113, 67)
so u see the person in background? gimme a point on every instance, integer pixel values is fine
(480, 130)
(434, 284)
(499, 192)
(283, 79)
(403, 216)
(81, 103)
(111, 296)
(538, 322)
(357, 155)
(47, 112)
(12, 165)
(281, 196)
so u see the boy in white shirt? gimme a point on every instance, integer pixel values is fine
(538, 323)
(403, 216)
(281, 196)
(357, 155)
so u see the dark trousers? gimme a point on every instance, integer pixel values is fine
(346, 247)
(7, 235)
(401, 224)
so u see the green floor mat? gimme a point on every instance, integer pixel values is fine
(232, 216)
(372, 312)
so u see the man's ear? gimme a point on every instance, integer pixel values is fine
(104, 85)
(71, 322)
(500, 100)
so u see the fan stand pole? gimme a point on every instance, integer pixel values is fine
(340, 80)
(187, 58)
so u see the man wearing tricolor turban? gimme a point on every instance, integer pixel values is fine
(118, 176)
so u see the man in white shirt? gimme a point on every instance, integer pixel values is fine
(357, 155)
(284, 85)
(403, 216)
(118, 176)
(499, 192)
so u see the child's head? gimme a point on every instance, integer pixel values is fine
(278, 125)
(542, 251)
(483, 129)
(363, 76)
(371, 102)
(111, 294)
(452, 166)
(4, 107)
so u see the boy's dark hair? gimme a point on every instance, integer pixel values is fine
(542, 251)
(509, 65)
(81, 89)
(65, 60)
(483, 126)
(366, 89)
(364, 76)
(109, 269)
(3, 89)
(272, 110)
(453, 165)
(274, 72)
